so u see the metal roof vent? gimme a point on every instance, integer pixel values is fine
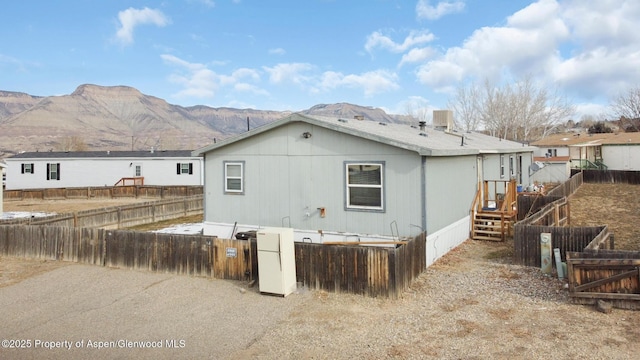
(423, 134)
(383, 124)
(342, 120)
(423, 125)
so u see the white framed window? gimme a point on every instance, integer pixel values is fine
(364, 183)
(185, 168)
(234, 177)
(53, 171)
(26, 168)
(501, 166)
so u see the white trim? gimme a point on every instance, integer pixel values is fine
(446, 239)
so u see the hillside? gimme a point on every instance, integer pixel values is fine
(122, 118)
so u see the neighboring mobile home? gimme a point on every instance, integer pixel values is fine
(2, 173)
(334, 179)
(40, 170)
(607, 151)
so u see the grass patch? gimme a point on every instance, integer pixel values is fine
(502, 253)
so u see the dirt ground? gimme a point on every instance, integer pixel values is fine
(614, 205)
(472, 304)
(66, 206)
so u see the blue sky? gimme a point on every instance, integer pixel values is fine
(291, 55)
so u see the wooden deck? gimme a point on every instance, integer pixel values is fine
(494, 210)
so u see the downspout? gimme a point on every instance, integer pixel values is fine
(423, 192)
(203, 179)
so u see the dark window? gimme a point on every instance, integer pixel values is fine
(185, 168)
(27, 169)
(53, 171)
(511, 167)
(364, 186)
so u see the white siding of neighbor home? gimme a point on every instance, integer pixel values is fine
(621, 157)
(553, 172)
(79, 172)
(288, 177)
(556, 151)
(2, 169)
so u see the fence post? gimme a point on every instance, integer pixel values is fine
(545, 253)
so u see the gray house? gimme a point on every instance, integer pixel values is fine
(335, 179)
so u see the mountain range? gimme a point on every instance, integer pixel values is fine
(97, 117)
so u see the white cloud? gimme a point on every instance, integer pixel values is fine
(373, 82)
(244, 87)
(416, 55)
(297, 73)
(277, 51)
(595, 110)
(198, 81)
(131, 18)
(415, 38)
(425, 10)
(590, 49)
(527, 44)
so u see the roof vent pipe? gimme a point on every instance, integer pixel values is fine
(423, 125)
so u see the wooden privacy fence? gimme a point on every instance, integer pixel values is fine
(554, 217)
(104, 192)
(605, 275)
(157, 252)
(529, 204)
(366, 270)
(527, 241)
(121, 216)
(555, 213)
(568, 187)
(609, 176)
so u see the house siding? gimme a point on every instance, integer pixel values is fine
(78, 172)
(621, 157)
(450, 189)
(288, 177)
(2, 169)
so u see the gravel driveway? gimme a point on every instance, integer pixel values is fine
(472, 304)
(100, 307)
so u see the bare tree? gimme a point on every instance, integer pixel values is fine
(520, 111)
(466, 108)
(627, 104)
(72, 143)
(626, 107)
(417, 112)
